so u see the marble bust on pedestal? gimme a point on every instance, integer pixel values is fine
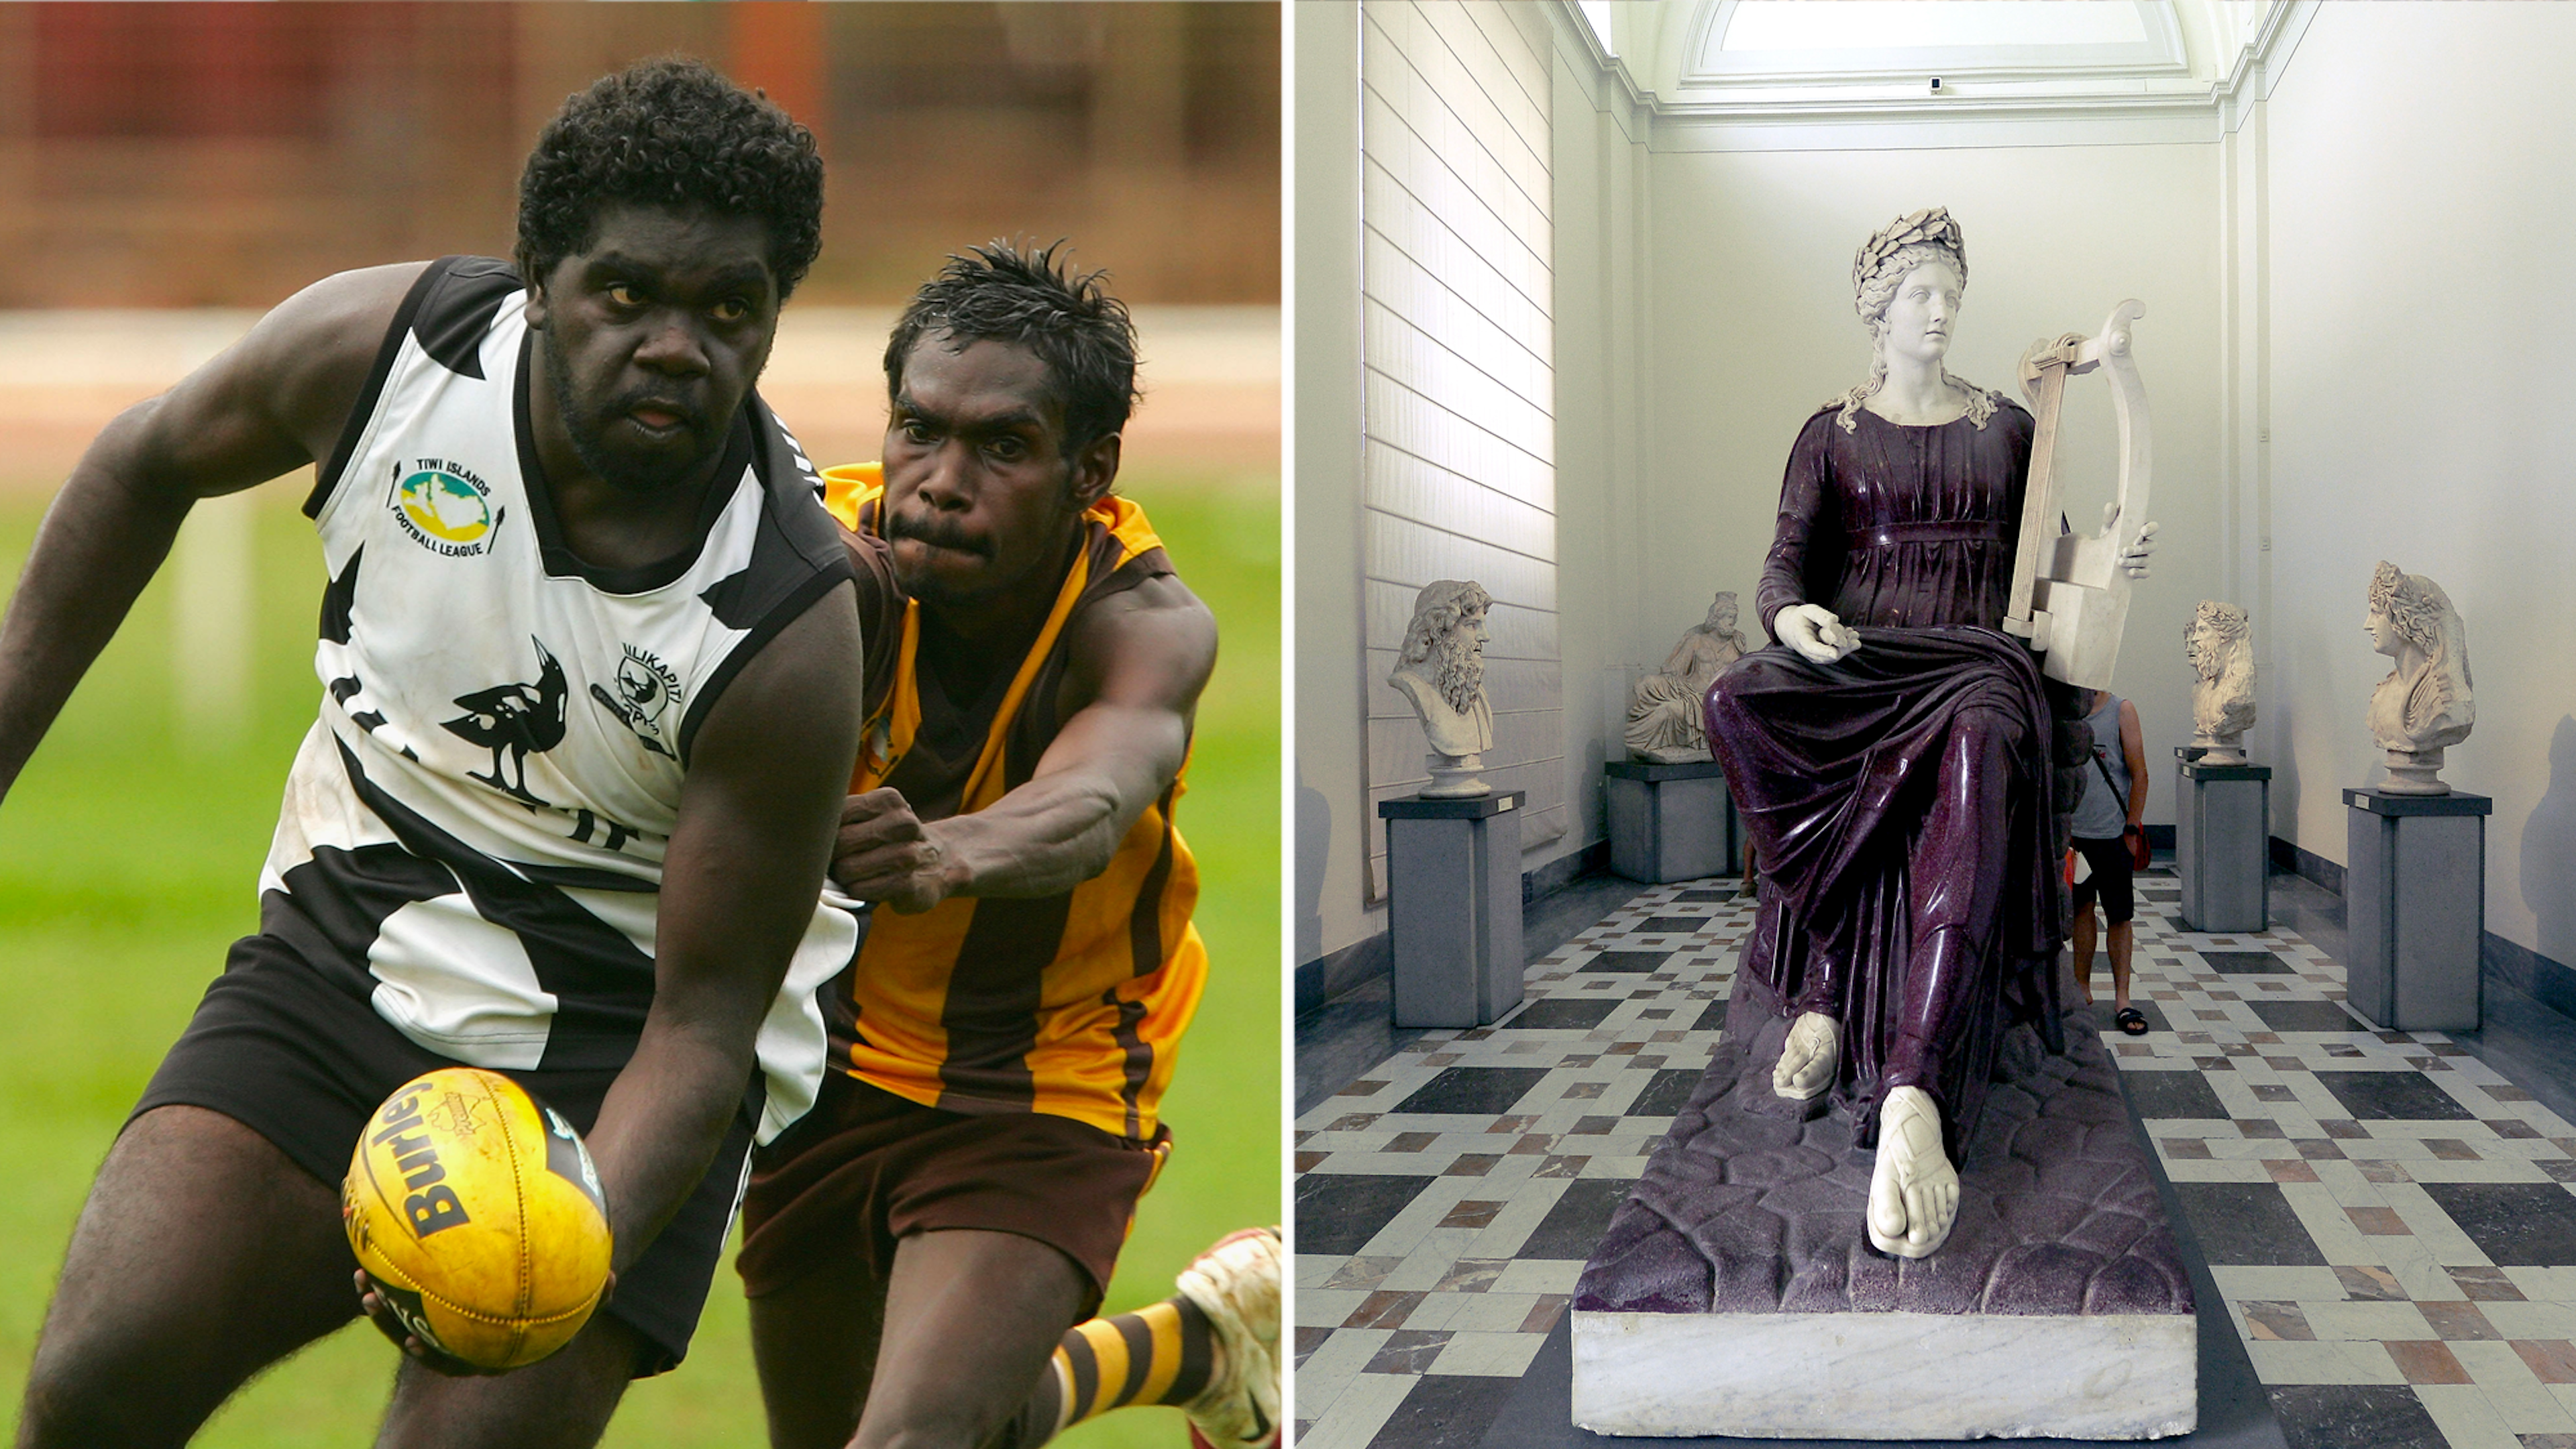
(2424, 706)
(1667, 719)
(1441, 672)
(2220, 646)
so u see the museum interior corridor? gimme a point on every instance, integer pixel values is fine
(2381, 1214)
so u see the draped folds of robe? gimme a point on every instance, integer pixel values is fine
(1904, 800)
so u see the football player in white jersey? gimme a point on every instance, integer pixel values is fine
(665, 217)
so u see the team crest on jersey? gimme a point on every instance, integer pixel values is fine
(444, 506)
(645, 692)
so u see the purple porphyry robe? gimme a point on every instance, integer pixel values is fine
(1901, 800)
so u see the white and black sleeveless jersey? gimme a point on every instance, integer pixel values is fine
(473, 831)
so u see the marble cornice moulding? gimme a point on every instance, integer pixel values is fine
(2149, 102)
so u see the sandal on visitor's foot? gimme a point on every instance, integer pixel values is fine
(2131, 1020)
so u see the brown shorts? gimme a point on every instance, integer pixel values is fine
(867, 1168)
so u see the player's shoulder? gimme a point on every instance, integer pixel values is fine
(1157, 617)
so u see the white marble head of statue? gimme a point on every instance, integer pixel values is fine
(1441, 672)
(2220, 646)
(2425, 705)
(1927, 238)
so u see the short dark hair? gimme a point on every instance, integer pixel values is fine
(671, 132)
(1000, 293)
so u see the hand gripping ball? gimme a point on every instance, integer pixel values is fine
(476, 1211)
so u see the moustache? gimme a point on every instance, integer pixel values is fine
(691, 415)
(935, 534)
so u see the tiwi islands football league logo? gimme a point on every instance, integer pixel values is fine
(445, 507)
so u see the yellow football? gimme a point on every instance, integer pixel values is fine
(476, 1210)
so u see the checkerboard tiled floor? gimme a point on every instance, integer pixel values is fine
(2389, 1220)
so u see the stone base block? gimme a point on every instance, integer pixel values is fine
(1669, 822)
(1886, 1375)
(1735, 1291)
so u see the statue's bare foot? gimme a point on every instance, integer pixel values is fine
(1807, 1061)
(1914, 1192)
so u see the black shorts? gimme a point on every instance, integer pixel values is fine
(2110, 880)
(280, 1049)
(866, 1169)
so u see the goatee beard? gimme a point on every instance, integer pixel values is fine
(627, 475)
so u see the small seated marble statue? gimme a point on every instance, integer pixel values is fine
(2424, 706)
(1900, 764)
(1441, 672)
(2220, 646)
(1667, 716)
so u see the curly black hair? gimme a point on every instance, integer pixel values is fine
(671, 132)
(1003, 294)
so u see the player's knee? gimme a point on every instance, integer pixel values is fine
(80, 1391)
(937, 1426)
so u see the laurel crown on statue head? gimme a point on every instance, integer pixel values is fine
(1930, 227)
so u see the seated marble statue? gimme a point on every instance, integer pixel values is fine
(1900, 764)
(1667, 717)
(2220, 647)
(2425, 705)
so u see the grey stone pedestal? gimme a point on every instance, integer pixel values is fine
(2222, 844)
(1669, 822)
(1453, 870)
(2414, 908)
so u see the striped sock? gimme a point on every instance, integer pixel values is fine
(1162, 1354)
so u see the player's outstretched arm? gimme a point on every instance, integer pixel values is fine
(268, 404)
(1139, 662)
(739, 886)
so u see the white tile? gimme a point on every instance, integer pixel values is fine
(1493, 1312)
(1327, 1307)
(1330, 1369)
(1539, 1275)
(1314, 1268)
(2323, 1363)
(2238, 1282)
(1357, 1413)
(1498, 1355)
(2465, 1417)
(2349, 1321)
(2531, 1320)
(2517, 1395)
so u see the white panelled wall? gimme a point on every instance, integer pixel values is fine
(1459, 450)
(2344, 222)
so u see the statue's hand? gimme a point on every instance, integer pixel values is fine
(1813, 631)
(2133, 559)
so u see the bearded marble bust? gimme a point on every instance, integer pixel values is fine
(1667, 716)
(2220, 646)
(2424, 705)
(1441, 672)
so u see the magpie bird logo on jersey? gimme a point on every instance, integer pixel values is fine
(646, 690)
(444, 507)
(517, 720)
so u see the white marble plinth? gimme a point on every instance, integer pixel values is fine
(1887, 1375)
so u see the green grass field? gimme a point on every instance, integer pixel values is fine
(129, 858)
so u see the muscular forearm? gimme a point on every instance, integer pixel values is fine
(661, 1124)
(98, 546)
(1042, 839)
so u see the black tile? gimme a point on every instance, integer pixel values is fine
(1558, 1014)
(1667, 1094)
(2172, 1094)
(1711, 1018)
(2518, 1224)
(1703, 898)
(1338, 1212)
(2354, 1416)
(2245, 1223)
(1445, 1411)
(2394, 1097)
(2305, 1016)
(1489, 1091)
(1573, 1228)
(1671, 925)
(2248, 963)
(1639, 962)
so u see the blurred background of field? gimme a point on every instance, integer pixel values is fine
(210, 160)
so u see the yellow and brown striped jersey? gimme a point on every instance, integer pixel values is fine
(1069, 1004)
